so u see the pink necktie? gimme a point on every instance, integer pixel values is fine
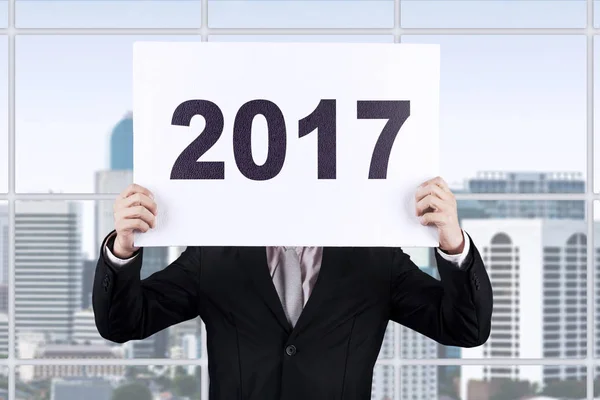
(288, 283)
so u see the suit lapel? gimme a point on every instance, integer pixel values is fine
(253, 261)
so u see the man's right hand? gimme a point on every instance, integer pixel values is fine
(134, 210)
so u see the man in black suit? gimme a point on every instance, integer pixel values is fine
(304, 324)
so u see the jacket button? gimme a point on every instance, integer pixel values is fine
(290, 350)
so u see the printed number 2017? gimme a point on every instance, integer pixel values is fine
(322, 119)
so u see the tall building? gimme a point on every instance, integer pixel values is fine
(47, 267)
(538, 272)
(525, 182)
(384, 381)
(87, 281)
(3, 335)
(121, 144)
(418, 382)
(597, 288)
(4, 248)
(85, 331)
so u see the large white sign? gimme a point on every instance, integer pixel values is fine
(265, 144)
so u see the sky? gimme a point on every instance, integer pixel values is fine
(507, 102)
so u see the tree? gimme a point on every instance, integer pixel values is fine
(574, 389)
(164, 382)
(132, 371)
(132, 391)
(449, 390)
(186, 385)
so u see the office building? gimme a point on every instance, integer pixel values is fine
(384, 381)
(66, 351)
(524, 182)
(47, 268)
(87, 281)
(4, 247)
(121, 144)
(3, 335)
(80, 388)
(28, 373)
(419, 382)
(538, 272)
(85, 331)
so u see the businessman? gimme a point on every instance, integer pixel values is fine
(287, 323)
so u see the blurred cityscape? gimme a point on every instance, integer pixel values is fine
(53, 313)
(535, 253)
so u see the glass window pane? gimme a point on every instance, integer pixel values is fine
(301, 14)
(3, 114)
(3, 13)
(108, 14)
(596, 111)
(533, 317)
(303, 38)
(76, 110)
(493, 13)
(507, 103)
(70, 382)
(57, 245)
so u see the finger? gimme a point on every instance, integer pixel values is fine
(432, 189)
(131, 225)
(430, 202)
(138, 199)
(135, 188)
(439, 181)
(136, 212)
(432, 218)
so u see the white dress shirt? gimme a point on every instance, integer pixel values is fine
(457, 259)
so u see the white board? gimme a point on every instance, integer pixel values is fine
(269, 190)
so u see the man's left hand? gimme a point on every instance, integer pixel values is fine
(436, 205)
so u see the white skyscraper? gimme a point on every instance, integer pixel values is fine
(418, 382)
(538, 272)
(3, 335)
(383, 382)
(4, 249)
(47, 267)
(84, 330)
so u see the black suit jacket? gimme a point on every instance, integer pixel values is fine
(253, 352)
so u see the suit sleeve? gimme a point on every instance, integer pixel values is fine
(455, 310)
(127, 307)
